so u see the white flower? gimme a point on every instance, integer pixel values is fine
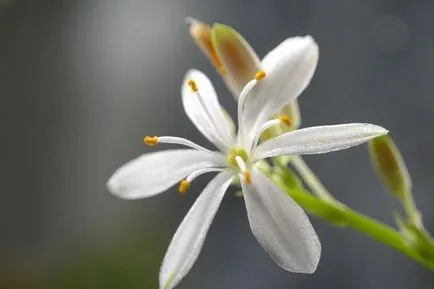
(278, 223)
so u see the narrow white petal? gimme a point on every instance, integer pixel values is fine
(319, 139)
(281, 226)
(211, 121)
(289, 68)
(188, 240)
(154, 173)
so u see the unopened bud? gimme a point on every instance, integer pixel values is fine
(238, 58)
(390, 165)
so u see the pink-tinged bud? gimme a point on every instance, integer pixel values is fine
(238, 58)
(390, 166)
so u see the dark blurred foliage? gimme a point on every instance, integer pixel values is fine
(83, 81)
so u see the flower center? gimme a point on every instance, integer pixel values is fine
(233, 153)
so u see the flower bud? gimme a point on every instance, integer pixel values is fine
(390, 166)
(239, 59)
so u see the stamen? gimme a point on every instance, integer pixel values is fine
(260, 74)
(151, 140)
(281, 120)
(263, 128)
(193, 85)
(184, 185)
(246, 90)
(181, 141)
(197, 173)
(242, 165)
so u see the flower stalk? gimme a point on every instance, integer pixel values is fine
(413, 243)
(418, 247)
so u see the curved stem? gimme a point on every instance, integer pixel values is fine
(411, 210)
(347, 217)
(340, 215)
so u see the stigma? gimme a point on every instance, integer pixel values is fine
(151, 140)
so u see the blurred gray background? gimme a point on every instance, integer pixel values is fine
(83, 81)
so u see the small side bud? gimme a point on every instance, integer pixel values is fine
(390, 165)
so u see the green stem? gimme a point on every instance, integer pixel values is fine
(310, 178)
(344, 216)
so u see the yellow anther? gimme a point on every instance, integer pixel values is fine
(193, 85)
(247, 177)
(151, 140)
(260, 74)
(184, 185)
(285, 120)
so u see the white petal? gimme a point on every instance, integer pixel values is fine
(281, 226)
(154, 173)
(190, 236)
(319, 139)
(211, 122)
(289, 68)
